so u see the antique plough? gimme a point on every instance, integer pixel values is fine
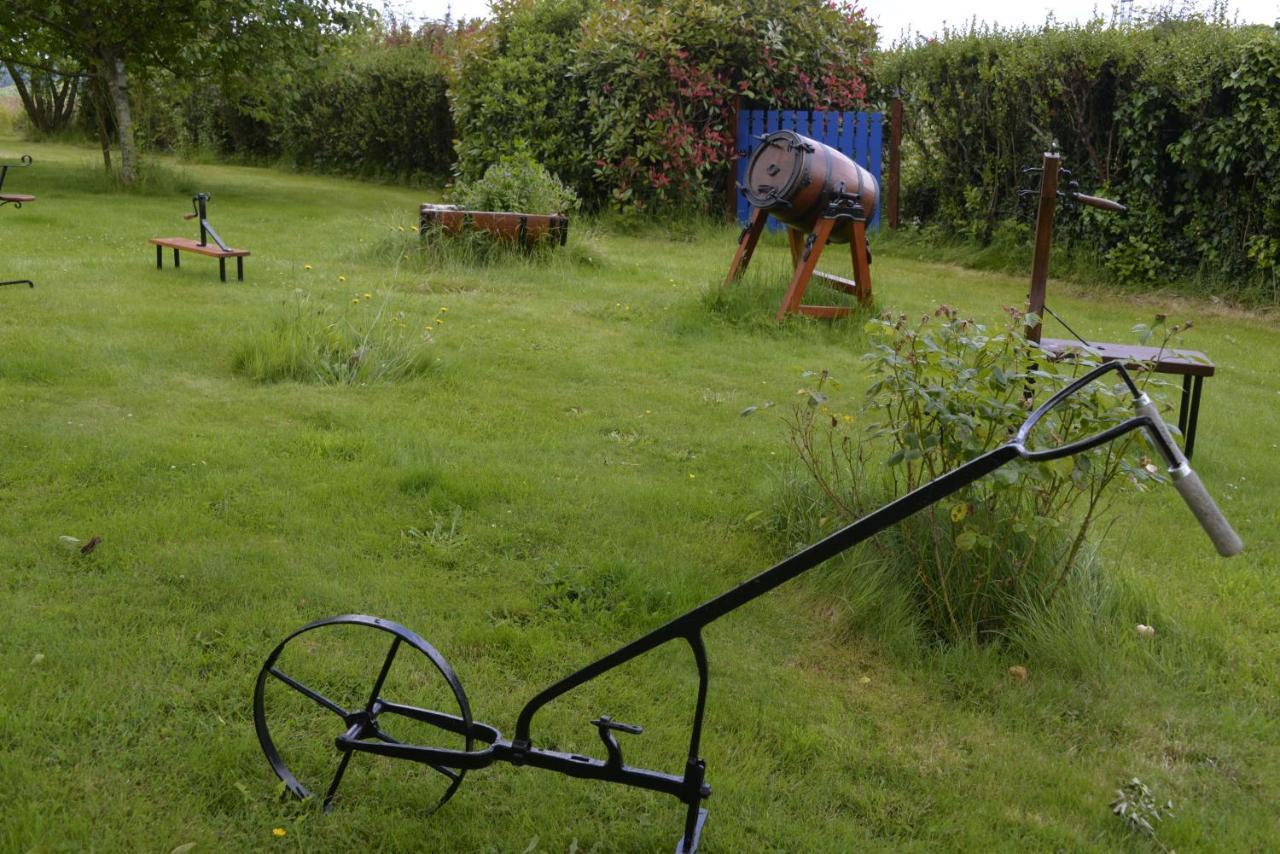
(364, 725)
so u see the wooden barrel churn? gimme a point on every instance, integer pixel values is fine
(795, 178)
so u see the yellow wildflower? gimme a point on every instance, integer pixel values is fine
(368, 296)
(443, 308)
(355, 300)
(278, 832)
(306, 266)
(342, 278)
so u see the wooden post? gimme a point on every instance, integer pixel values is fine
(861, 264)
(895, 148)
(1044, 241)
(731, 187)
(795, 239)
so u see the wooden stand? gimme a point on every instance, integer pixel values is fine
(805, 252)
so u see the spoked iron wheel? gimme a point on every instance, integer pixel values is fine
(338, 676)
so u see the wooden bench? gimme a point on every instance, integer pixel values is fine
(1191, 365)
(17, 200)
(183, 244)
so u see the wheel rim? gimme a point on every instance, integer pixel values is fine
(347, 706)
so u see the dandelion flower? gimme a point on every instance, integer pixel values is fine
(306, 266)
(368, 296)
(342, 278)
(355, 300)
(402, 228)
(278, 832)
(692, 475)
(444, 308)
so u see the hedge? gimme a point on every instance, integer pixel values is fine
(1180, 121)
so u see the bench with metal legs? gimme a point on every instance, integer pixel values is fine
(17, 200)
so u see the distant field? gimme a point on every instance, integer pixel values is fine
(573, 471)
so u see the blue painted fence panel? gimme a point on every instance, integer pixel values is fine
(858, 135)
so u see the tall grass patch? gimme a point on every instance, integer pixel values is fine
(366, 341)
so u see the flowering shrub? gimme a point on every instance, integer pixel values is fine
(633, 101)
(663, 83)
(946, 391)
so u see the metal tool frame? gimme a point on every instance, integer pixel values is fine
(23, 161)
(361, 732)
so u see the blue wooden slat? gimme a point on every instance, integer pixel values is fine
(770, 121)
(859, 154)
(802, 123)
(876, 146)
(848, 126)
(757, 125)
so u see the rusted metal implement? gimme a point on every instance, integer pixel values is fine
(822, 197)
(521, 229)
(17, 200)
(1191, 365)
(219, 250)
(356, 719)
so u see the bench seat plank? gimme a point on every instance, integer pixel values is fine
(1184, 362)
(16, 197)
(188, 245)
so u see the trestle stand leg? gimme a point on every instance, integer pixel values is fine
(746, 245)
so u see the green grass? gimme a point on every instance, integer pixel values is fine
(572, 472)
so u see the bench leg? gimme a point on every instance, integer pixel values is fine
(1184, 405)
(222, 269)
(240, 268)
(176, 262)
(1196, 385)
(159, 257)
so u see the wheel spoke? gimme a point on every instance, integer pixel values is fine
(382, 676)
(313, 695)
(448, 772)
(337, 778)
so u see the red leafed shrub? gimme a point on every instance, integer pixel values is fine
(663, 81)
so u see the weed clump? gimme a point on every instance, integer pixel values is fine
(360, 343)
(978, 564)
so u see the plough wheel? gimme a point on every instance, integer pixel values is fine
(331, 674)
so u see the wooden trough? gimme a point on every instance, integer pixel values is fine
(526, 230)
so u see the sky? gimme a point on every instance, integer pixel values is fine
(924, 17)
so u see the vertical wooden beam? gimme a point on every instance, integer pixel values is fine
(861, 263)
(746, 245)
(1044, 241)
(795, 239)
(895, 147)
(739, 145)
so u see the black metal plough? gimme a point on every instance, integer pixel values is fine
(363, 725)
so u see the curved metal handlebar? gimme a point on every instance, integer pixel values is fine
(1185, 480)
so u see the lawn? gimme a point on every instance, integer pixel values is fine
(572, 471)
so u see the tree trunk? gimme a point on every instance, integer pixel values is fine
(47, 97)
(118, 86)
(96, 86)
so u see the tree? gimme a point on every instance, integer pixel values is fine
(115, 40)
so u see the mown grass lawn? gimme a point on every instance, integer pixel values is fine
(573, 472)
